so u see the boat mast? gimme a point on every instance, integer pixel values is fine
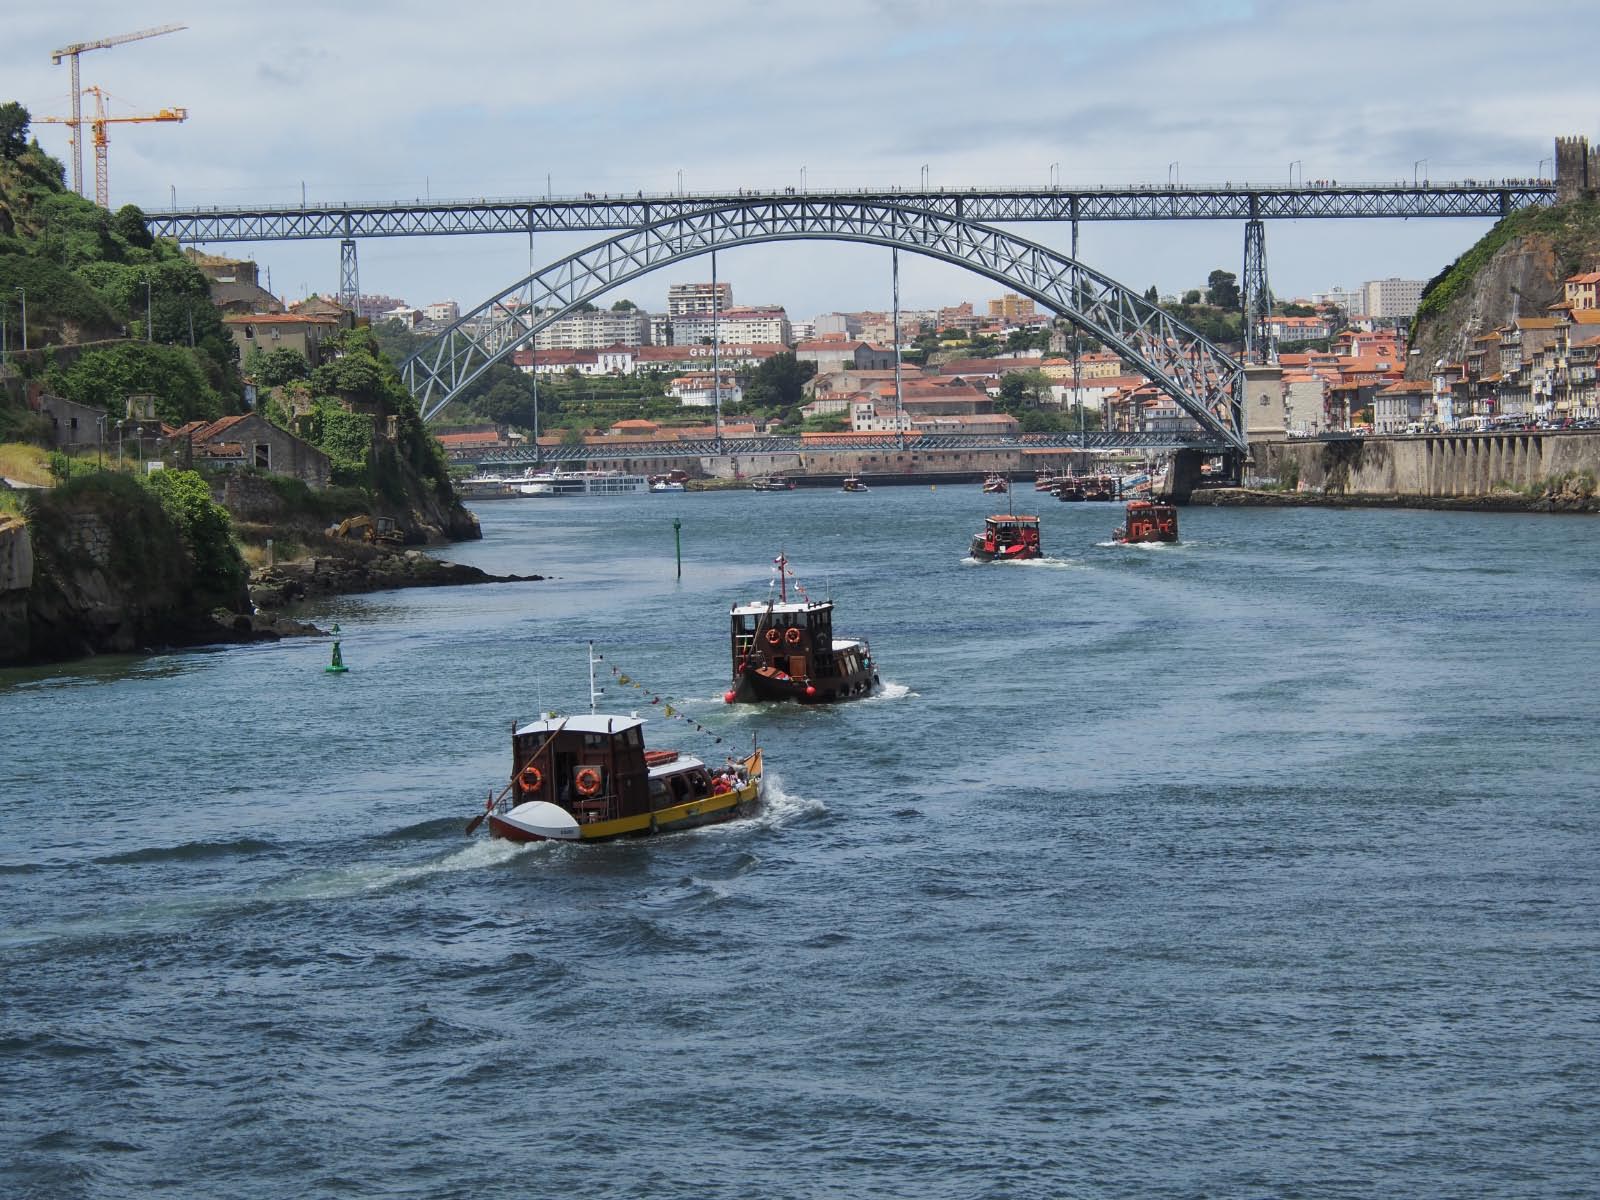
(783, 580)
(594, 692)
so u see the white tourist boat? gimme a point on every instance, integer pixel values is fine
(582, 483)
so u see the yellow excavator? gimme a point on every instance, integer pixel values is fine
(369, 529)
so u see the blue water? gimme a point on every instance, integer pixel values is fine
(1266, 864)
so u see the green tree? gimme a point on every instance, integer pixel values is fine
(1222, 289)
(1192, 296)
(1023, 389)
(14, 122)
(128, 223)
(274, 368)
(778, 384)
(206, 530)
(624, 306)
(1152, 296)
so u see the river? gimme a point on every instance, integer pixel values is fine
(1265, 864)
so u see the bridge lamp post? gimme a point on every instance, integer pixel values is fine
(1292, 166)
(680, 181)
(148, 323)
(1055, 176)
(1423, 163)
(1172, 174)
(802, 178)
(924, 176)
(1542, 162)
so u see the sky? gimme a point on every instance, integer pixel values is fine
(394, 101)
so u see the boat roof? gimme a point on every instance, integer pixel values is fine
(760, 607)
(581, 723)
(1013, 519)
(684, 762)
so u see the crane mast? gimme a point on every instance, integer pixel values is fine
(75, 123)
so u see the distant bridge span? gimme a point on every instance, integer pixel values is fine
(1206, 382)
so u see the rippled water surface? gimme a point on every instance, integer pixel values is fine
(1266, 864)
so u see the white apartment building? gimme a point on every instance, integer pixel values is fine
(1392, 299)
(767, 323)
(702, 391)
(1353, 303)
(684, 299)
(441, 312)
(595, 330)
(845, 324)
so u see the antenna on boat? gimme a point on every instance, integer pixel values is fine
(594, 692)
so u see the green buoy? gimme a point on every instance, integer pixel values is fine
(336, 667)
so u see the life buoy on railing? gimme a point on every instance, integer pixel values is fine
(772, 637)
(530, 777)
(587, 781)
(792, 636)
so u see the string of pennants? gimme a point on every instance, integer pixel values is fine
(794, 580)
(665, 703)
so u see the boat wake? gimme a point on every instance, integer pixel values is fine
(888, 691)
(341, 882)
(1139, 545)
(1047, 563)
(778, 808)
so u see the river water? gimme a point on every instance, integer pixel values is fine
(1266, 864)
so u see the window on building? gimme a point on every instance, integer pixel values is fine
(263, 457)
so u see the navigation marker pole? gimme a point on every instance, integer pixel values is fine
(677, 542)
(336, 667)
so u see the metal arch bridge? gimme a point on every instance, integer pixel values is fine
(1245, 202)
(1205, 382)
(914, 443)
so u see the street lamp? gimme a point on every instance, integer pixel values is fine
(148, 323)
(23, 292)
(1423, 163)
(680, 181)
(924, 176)
(1172, 174)
(174, 188)
(100, 450)
(1292, 166)
(802, 177)
(1542, 162)
(1055, 175)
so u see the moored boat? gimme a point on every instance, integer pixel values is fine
(1005, 537)
(996, 485)
(785, 650)
(589, 778)
(774, 483)
(852, 484)
(1147, 521)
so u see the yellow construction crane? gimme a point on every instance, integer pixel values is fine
(76, 121)
(98, 123)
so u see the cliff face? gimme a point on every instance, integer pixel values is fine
(1515, 270)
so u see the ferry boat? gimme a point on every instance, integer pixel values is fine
(589, 778)
(785, 650)
(775, 483)
(996, 485)
(852, 484)
(1007, 536)
(1145, 521)
(582, 483)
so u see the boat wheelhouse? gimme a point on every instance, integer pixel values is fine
(1147, 521)
(1007, 536)
(785, 650)
(852, 484)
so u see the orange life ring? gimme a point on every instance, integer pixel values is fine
(587, 781)
(792, 636)
(530, 777)
(772, 637)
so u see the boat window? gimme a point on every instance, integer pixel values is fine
(594, 741)
(633, 738)
(658, 789)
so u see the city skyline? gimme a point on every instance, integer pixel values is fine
(346, 105)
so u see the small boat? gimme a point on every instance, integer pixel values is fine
(785, 650)
(1045, 482)
(996, 485)
(852, 484)
(667, 485)
(589, 778)
(776, 483)
(1147, 521)
(1007, 536)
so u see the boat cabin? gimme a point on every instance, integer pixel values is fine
(1147, 521)
(1007, 535)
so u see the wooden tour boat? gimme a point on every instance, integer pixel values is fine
(589, 778)
(1007, 536)
(1146, 521)
(785, 650)
(773, 483)
(852, 484)
(995, 485)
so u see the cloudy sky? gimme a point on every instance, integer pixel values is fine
(404, 99)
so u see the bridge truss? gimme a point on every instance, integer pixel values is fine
(1205, 382)
(433, 218)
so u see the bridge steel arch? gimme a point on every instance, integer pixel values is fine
(1206, 382)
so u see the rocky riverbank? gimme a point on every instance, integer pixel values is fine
(356, 569)
(1574, 501)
